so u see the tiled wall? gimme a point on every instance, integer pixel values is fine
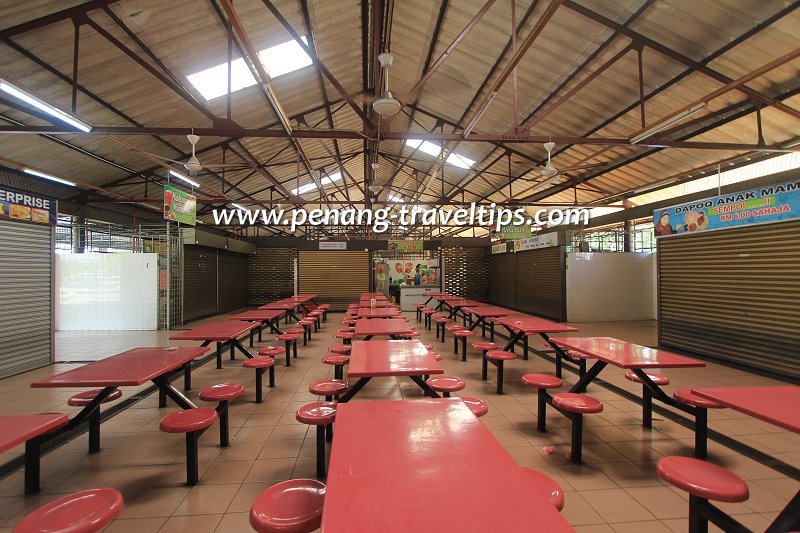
(106, 292)
(610, 286)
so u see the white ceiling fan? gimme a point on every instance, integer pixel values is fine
(387, 104)
(193, 164)
(552, 173)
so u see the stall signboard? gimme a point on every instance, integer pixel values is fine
(411, 272)
(333, 245)
(499, 248)
(26, 207)
(540, 241)
(770, 203)
(180, 206)
(512, 232)
(406, 246)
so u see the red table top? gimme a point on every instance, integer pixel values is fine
(283, 306)
(215, 331)
(379, 303)
(489, 310)
(389, 326)
(461, 302)
(777, 405)
(378, 312)
(130, 368)
(626, 354)
(376, 295)
(448, 298)
(533, 324)
(20, 428)
(440, 470)
(258, 315)
(436, 295)
(391, 358)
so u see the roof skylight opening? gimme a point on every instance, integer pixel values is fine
(398, 199)
(424, 146)
(277, 60)
(459, 160)
(308, 187)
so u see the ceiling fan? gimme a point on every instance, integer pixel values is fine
(552, 173)
(387, 104)
(193, 164)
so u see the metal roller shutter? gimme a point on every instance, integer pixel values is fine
(199, 282)
(270, 275)
(734, 295)
(503, 280)
(541, 282)
(466, 272)
(26, 326)
(232, 280)
(339, 277)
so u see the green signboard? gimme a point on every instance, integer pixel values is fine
(513, 232)
(406, 246)
(180, 206)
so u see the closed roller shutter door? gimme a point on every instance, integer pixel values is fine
(734, 295)
(338, 277)
(232, 272)
(26, 268)
(199, 282)
(541, 283)
(503, 280)
(270, 275)
(466, 272)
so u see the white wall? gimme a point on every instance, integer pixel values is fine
(106, 292)
(603, 287)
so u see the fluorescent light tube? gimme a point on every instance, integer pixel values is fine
(667, 123)
(184, 178)
(652, 186)
(240, 207)
(48, 177)
(41, 105)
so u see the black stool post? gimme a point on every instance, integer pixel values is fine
(320, 451)
(94, 431)
(224, 436)
(541, 423)
(577, 437)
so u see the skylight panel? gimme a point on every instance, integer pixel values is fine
(424, 146)
(277, 60)
(398, 199)
(459, 160)
(308, 187)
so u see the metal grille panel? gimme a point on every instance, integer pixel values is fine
(339, 277)
(232, 281)
(466, 272)
(200, 282)
(503, 280)
(270, 275)
(541, 282)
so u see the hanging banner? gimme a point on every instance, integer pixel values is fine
(27, 207)
(769, 203)
(512, 232)
(499, 248)
(540, 241)
(406, 246)
(180, 206)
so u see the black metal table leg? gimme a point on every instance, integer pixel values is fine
(424, 386)
(353, 390)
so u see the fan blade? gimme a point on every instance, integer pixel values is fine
(580, 167)
(229, 165)
(160, 157)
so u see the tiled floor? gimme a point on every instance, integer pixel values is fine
(616, 488)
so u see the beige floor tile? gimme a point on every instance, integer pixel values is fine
(155, 502)
(660, 501)
(616, 505)
(200, 523)
(135, 525)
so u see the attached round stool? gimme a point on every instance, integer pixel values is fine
(320, 414)
(343, 349)
(647, 395)
(82, 512)
(330, 388)
(542, 382)
(428, 346)
(82, 399)
(271, 351)
(347, 329)
(293, 506)
(291, 345)
(223, 393)
(436, 355)
(484, 346)
(462, 336)
(441, 322)
(704, 481)
(306, 325)
(701, 406)
(338, 361)
(451, 327)
(419, 306)
(547, 486)
(446, 384)
(574, 406)
(261, 365)
(497, 358)
(491, 321)
(476, 405)
(347, 338)
(409, 335)
(428, 313)
(297, 331)
(192, 422)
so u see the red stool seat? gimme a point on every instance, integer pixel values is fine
(286, 337)
(464, 333)
(188, 420)
(336, 359)
(409, 335)
(428, 310)
(317, 413)
(484, 345)
(476, 405)
(436, 355)
(295, 331)
(348, 329)
(575, 354)
(686, 396)
(82, 512)
(658, 379)
(340, 349)
(82, 399)
(419, 304)
(577, 403)
(345, 335)
(324, 306)
(329, 387)
(446, 383)
(270, 351)
(258, 362)
(428, 346)
(702, 479)
(454, 327)
(441, 319)
(500, 355)
(293, 506)
(305, 323)
(224, 391)
(542, 381)
(548, 486)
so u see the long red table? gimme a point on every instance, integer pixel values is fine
(222, 333)
(127, 369)
(378, 312)
(520, 327)
(377, 295)
(379, 303)
(427, 465)
(394, 358)
(391, 327)
(486, 311)
(264, 317)
(17, 429)
(776, 405)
